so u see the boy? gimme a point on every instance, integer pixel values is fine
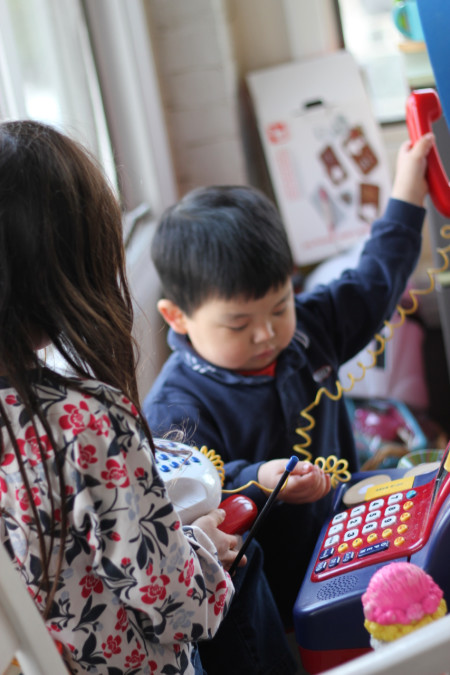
(248, 356)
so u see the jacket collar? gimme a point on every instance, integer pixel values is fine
(291, 358)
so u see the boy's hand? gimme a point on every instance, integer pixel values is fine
(410, 184)
(306, 482)
(227, 545)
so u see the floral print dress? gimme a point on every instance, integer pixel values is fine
(136, 588)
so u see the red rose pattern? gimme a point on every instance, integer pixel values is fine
(87, 456)
(90, 583)
(116, 474)
(188, 570)
(219, 598)
(78, 418)
(29, 446)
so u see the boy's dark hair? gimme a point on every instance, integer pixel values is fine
(220, 242)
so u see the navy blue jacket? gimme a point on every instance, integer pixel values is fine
(251, 419)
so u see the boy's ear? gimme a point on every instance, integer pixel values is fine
(172, 315)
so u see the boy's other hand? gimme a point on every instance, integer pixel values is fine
(410, 184)
(306, 482)
(227, 545)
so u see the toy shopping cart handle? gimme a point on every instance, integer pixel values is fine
(422, 109)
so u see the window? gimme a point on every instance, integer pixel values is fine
(47, 72)
(391, 64)
(86, 67)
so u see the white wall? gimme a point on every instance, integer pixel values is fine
(203, 49)
(199, 83)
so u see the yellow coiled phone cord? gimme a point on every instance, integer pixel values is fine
(402, 312)
(331, 465)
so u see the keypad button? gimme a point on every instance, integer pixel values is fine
(401, 529)
(332, 540)
(399, 541)
(348, 557)
(407, 506)
(374, 548)
(334, 529)
(358, 510)
(371, 538)
(405, 516)
(387, 522)
(320, 567)
(333, 562)
(357, 542)
(354, 522)
(395, 499)
(374, 515)
(342, 547)
(339, 517)
(326, 553)
(369, 527)
(376, 504)
(394, 508)
(411, 494)
(350, 534)
(386, 533)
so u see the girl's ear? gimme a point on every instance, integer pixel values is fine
(172, 315)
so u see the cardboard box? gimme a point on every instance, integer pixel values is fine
(324, 152)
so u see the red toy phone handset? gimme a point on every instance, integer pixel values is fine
(422, 108)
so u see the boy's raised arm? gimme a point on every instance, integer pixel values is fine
(410, 183)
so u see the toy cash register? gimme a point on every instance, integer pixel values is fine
(397, 515)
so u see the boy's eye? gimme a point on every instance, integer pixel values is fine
(279, 312)
(237, 328)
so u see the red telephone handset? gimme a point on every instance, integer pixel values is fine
(422, 108)
(240, 512)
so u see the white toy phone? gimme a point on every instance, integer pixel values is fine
(194, 486)
(191, 479)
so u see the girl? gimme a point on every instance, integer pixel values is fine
(83, 511)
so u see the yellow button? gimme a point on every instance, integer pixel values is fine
(405, 516)
(357, 542)
(386, 533)
(402, 528)
(399, 541)
(342, 547)
(372, 537)
(408, 505)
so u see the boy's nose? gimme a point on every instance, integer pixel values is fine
(263, 332)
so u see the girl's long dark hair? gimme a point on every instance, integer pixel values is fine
(62, 279)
